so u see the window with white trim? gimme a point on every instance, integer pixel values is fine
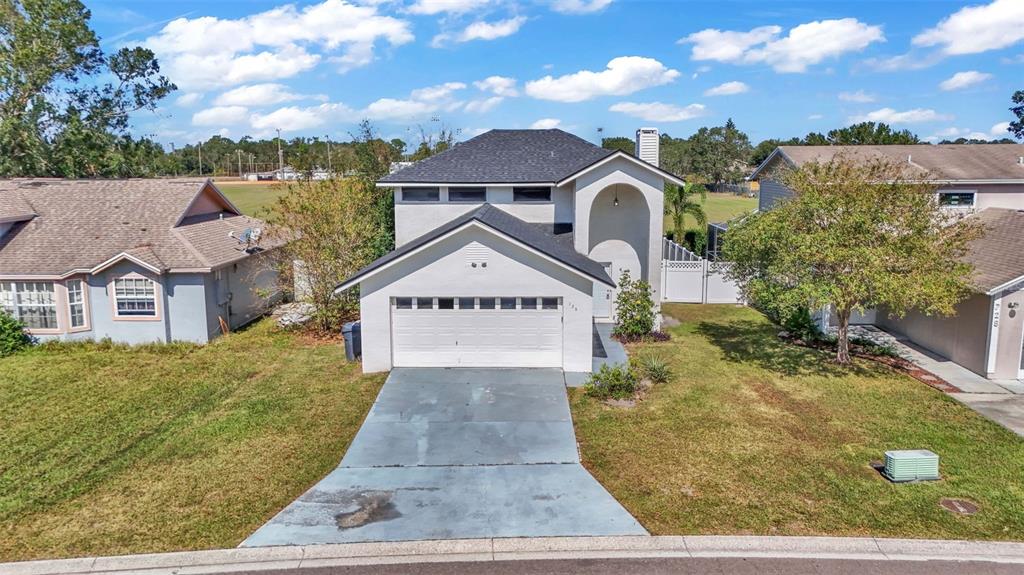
(134, 297)
(33, 303)
(76, 303)
(956, 199)
(531, 194)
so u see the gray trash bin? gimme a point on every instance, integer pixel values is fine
(353, 340)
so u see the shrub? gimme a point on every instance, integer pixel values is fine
(617, 382)
(13, 337)
(654, 368)
(634, 308)
(800, 324)
(874, 348)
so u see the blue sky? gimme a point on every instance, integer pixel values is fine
(779, 69)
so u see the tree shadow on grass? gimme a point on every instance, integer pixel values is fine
(758, 344)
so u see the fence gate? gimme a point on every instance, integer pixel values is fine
(689, 278)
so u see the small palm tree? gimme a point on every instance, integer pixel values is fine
(681, 201)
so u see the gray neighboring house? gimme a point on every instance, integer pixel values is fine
(131, 260)
(985, 181)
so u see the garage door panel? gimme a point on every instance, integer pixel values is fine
(477, 337)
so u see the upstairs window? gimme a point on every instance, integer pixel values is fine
(31, 302)
(469, 195)
(531, 194)
(421, 194)
(134, 297)
(956, 199)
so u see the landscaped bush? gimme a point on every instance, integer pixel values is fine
(616, 382)
(874, 348)
(634, 308)
(654, 368)
(800, 325)
(13, 337)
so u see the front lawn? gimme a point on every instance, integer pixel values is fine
(110, 449)
(755, 436)
(719, 207)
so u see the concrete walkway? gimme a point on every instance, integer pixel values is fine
(456, 454)
(897, 555)
(1000, 401)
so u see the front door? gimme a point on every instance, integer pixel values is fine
(603, 295)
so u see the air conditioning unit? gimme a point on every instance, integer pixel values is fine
(911, 465)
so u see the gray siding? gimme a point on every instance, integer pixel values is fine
(771, 192)
(962, 338)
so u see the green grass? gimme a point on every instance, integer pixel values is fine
(719, 208)
(756, 436)
(110, 449)
(253, 199)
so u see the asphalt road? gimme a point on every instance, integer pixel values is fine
(674, 566)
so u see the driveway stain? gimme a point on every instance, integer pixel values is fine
(373, 506)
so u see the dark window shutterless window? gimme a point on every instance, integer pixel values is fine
(471, 195)
(508, 303)
(445, 303)
(421, 194)
(531, 194)
(529, 302)
(424, 303)
(487, 303)
(466, 303)
(549, 303)
(403, 302)
(956, 199)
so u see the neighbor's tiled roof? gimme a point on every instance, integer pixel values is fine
(943, 161)
(558, 247)
(14, 208)
(998, 256)
(82, 223)
(505, 156)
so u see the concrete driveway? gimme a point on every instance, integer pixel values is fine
(453, 454)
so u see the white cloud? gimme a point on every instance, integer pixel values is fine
(220, 116)
(432, 7)
(624, 75)
(891, 116)
(860, 96)
(188, 99)
(484, 105)
(962, 80)
(976, 29)
(908, 61)
(208, 52)
(727, 89)
(292, 118)
(996, 132)
(580, 6)
(491, 30)
(546, 124)
(658, 111)
(498, 85)
(257, 95)
(420, 102)
(815, 117)
(1000, 130)
(437, 93)
(805, 45)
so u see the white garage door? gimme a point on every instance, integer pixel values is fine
(476, 331)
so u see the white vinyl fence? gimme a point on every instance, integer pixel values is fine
(689, 278)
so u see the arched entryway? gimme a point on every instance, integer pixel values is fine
(619, 237)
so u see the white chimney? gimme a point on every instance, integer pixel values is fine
(647, 145)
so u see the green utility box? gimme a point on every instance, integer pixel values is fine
(911, 465)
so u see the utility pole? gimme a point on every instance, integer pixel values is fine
(239, 163)
(330, 172)
(200, 159)
(280, 154)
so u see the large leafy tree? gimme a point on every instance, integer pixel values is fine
(857, 234)
(64, 103)
(1017, 126)
(720, 154)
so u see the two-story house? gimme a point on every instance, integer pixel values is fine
(134, 261)
(984, 181)
(508, 249)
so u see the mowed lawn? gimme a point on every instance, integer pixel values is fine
(719, 208)
(110, 450)
(255, 199)
(755, 436)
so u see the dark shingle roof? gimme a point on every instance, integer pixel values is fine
(505, 156)
(997, 256)
(532, 235)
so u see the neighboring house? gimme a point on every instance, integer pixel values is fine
(131, 260)
(987, 181)
(509, 246)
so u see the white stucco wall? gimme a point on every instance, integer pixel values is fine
(594, 206)
(413, 219)
(442, 269)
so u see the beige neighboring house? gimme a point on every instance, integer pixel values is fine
(986, 182)
(131, 260)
